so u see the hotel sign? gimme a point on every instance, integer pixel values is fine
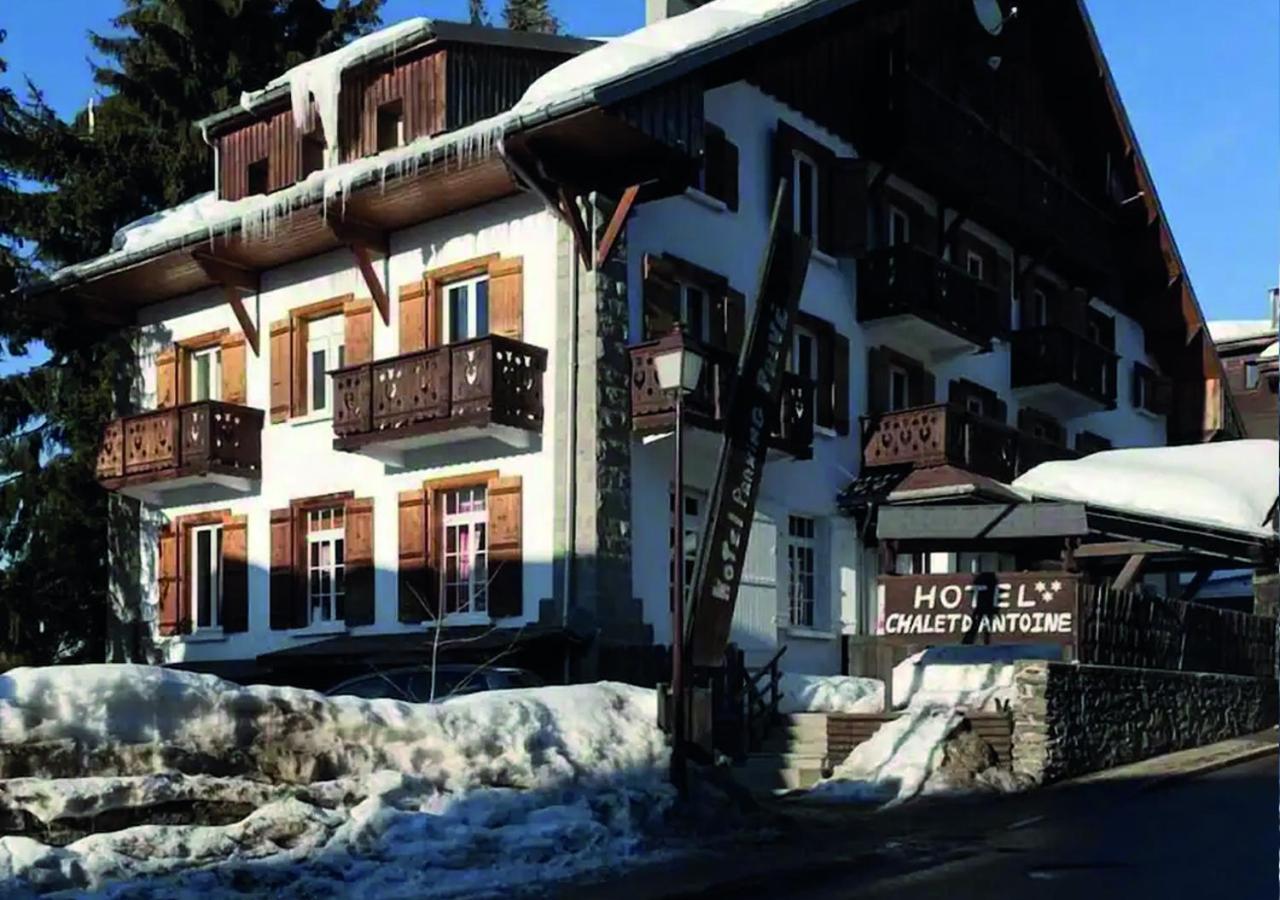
(986, 608)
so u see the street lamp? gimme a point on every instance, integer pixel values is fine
(678, 368)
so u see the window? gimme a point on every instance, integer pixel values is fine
(974, 265)
(326, 564)
(325, 352)
(1251, 374)
(465, 570)
(804, 357)
(804, 195)
(899, 227)
(802, 580)
(695, 311)
(258, 175)
(1038, 312)
(205, 374)
(390, 125)
(694, 504)
(206, 575)
(466, 309)
(899, 388)
(975, 405)
(312, 154)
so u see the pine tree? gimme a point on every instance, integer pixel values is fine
(530, 15)
(173, 62)
(479, 15)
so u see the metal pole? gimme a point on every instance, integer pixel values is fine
(677, 611)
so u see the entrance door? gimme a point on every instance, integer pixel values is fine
(755, 619)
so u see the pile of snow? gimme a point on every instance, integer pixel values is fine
(1272, 351)
(830, 694)
(376, 798)
(645, 48)
(1228, 330)
(969, 677)
(1232, 484)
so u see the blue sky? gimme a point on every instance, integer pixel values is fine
(1201, 81)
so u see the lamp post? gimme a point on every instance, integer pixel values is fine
(678, 368)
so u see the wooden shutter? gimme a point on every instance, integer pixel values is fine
(840, 386)
(359, 562)
(167, 378)
(285, 584)
(877, 381)
(824, 413)
(1072, 310)
(281, 370)
(506, 297)
(784, 145)
(298, 391)
(1161, 402)
(413, 317)
(435, 312)
(735, 320)
(661, 298)
(235, 574)
(170, 581)
(845, 193)
(720, 168)
(234, 387)
(417, 593)
(922, 386)
(506, 578)
(357, 337)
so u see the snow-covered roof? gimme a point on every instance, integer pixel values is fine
(1230, 485)
(1227, 330)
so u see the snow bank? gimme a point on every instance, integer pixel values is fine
(385, 798)
(1228, 330)
(830, 694)
(648, 47)
(1227, 485)
(977, 678)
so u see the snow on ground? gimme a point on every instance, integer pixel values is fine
(978, 678)
(830, 694)
(1232, 484)
(377, 798)
(1227, 330)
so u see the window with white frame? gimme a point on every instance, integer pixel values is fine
(325, 352)
(695, 311)
(804, 195)
(206, 576)
(466, 309)
(899, 388)
(975, 265)
(694, 510)
(802, 570)
(326, 564)
(465, 573)
(899, 227)
(804, 358)
(205, 374)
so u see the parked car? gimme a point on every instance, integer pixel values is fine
(413, 684)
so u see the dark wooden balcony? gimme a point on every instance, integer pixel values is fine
(945, 434)
(209, 443)
(490, 387)
(1067, 373)
(653, 409)
(933, 305)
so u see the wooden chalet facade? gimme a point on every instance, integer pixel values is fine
(450, 369)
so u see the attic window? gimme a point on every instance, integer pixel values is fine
(390, 125)
(312, 153)
(257, 176)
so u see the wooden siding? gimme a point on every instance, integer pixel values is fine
(273, 138)
(417, 80)
(482, 81)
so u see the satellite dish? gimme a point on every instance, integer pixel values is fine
(991, 16)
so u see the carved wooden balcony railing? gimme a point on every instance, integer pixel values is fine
(944, 434)
(492, 380)
(202, 440)
(905, 280)
(653, 409)
(1052, 354)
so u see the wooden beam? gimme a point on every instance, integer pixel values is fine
(227, 273)
(379, 294)
(616, 224)
(242, 316)
(1193, 586)
(1122, 548)
(353, 233)
(1130, 573)
(569, 210)
(979, 523)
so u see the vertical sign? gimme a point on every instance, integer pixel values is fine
(753, 408)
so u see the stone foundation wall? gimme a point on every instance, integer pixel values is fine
(1072, 719)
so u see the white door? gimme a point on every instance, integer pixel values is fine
(755, 618)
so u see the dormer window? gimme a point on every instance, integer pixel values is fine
(258, 176)
(390, 125)
(312, 153)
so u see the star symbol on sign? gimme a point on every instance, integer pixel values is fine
(1039, 587)
(1056, 586)
(1047, 595)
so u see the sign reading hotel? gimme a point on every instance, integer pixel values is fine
(988, 608)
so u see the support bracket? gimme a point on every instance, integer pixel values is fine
(569, 210)
(236, 280)
(365, 242)
(616, 224)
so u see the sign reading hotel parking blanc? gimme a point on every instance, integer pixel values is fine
(753, 408)
(990, 608)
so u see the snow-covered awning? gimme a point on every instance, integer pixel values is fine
(1227, 331)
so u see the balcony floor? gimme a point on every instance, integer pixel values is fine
(183, 489)
(917, 337)
(439, 443)
(1059, 400)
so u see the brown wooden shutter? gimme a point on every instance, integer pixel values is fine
(847, 204)
(720, 168)
(167, 378)
(357, 337)
(298, 391)
(170, 581)
(506, 578)
(783, 163)
(1072, 309)
(235, 574)
(359, 562)
(285, 584)
(232, 363)
(281, 370)
(824, 413)
(922, 386)
(735, 320)
(417, 594)
(877, 381)
(435, 313)
(1161, 402)
(661, 298)
(413, 317)
(506, 297)
(840, 387)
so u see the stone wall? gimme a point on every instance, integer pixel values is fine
(1071, 719)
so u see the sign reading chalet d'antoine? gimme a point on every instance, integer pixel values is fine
(989, 608)
(753, 408)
